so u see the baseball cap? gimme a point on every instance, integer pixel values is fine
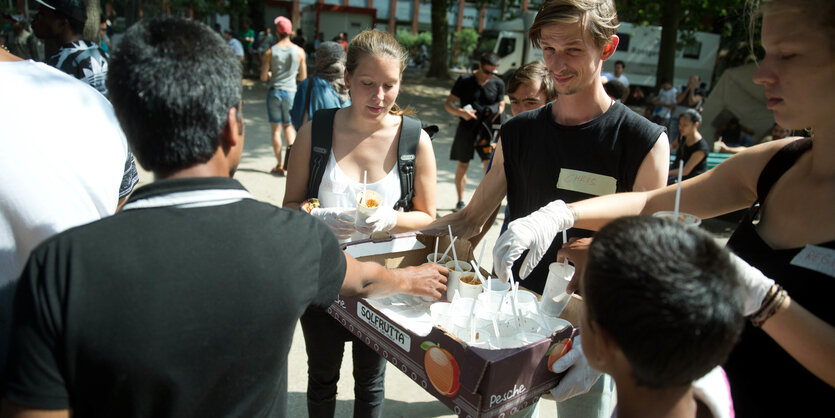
(15, 18)
(283, 25)
(74, 9)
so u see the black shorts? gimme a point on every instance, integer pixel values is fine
(468, 141)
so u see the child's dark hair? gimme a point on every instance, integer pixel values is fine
(667, 294)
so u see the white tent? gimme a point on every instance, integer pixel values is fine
(736, 94)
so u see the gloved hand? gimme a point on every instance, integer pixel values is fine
(534, 232)
(580, 377)
(340, 220)
(383, 220)
(754, 285)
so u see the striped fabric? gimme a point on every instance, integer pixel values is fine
(83, 60)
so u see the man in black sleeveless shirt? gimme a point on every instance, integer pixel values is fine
(581, 145)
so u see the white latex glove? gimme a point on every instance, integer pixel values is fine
(580, 377)
(340, 220)
(534, 232)
(383, 220)
(754, 285)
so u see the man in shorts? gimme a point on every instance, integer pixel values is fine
(480, 98)
(283, 65)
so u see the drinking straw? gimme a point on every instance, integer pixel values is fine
(454, 254)
(478, 273)
(481, 254)
(678, 186)
(435, 254)
(471, 323)
(364, 183)
(564, 241)
(451, 246)
(513, 306)
(541, 317)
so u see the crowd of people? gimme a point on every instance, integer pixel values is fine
(171, 299)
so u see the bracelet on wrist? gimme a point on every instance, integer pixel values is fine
(772, 303)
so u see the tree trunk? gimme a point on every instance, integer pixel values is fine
(438, 64)
(91, 28)
(669, 34)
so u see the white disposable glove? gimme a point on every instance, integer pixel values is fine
(534, 232)
(340, 220)
(580, 377)
(754, 285)
(383, 220)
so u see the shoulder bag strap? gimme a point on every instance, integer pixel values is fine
(320, 149)
(406, 155)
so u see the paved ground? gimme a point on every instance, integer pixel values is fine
(404, 398)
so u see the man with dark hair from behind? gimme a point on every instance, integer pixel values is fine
(480, 98)
(662, 309)
(185, 302)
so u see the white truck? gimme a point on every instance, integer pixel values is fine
(638, 49)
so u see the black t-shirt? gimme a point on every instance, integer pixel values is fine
(545, 161)
(685, 151)
(758, 368)
(483, 98)
(170, 311)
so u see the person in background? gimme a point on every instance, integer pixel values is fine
(365, 138)
(661, 329)
(690, 148)
(104, 39)
(788, 232)
(664, 103)
(20, 41)
(235, 45)
(688, 97)
(247, 37)
(325, 88)
(190, 262)
(776, 132)
(478, 100)
(614, 89)
(63, 21)
(619, 76)
(283, 65)
(734, 134)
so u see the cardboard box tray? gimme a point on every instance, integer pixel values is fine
(471, 381)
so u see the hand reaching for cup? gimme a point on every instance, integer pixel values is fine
(426, 280)
(576, 250)
(534, 232)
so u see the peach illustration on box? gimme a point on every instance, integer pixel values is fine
(441, 368)
(557, 350)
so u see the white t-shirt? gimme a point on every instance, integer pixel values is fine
(62, 160)
(337, 190)
(666, 97)
(622, 78)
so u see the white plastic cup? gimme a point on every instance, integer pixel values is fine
(496, 286)
(437, 309)
(490, 302)
(685, 218)
(554, 298)
(442, 259)
(525, 301)
(462, 266)
(364, 211)
(466, 289)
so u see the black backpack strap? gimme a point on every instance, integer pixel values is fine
(406, 155)
(320, 148)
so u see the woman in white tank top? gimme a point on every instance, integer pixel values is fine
(365, 139)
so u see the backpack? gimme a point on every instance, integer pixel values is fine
(320, 149)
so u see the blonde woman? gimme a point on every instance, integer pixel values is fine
(364, 143)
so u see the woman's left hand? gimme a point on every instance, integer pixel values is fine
(383, 220)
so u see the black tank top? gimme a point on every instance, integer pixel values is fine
(537, 150)
(765, 380)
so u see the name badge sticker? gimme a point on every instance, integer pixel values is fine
(585, 182)
(819, 259)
